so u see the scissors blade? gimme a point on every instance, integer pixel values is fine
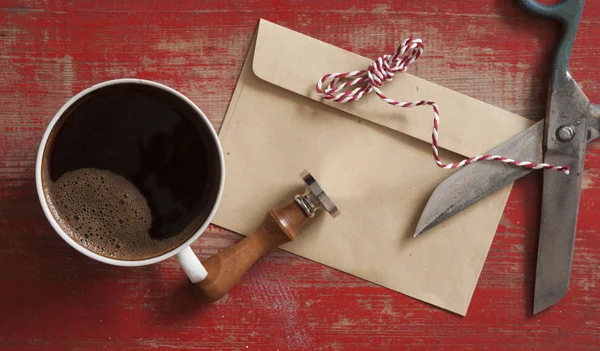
(569, 107)
(478, 180)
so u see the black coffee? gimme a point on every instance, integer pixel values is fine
(131, 172)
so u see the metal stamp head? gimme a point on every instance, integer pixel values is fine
(315, 197)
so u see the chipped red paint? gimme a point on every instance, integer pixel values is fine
(53, 298)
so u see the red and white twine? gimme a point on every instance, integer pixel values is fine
(382, 70)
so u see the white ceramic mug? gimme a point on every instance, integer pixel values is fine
(184, 254)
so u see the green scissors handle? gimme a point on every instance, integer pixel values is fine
(568, 13)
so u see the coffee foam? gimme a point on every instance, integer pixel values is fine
(107, 214)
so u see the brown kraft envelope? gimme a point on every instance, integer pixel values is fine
(374, 160)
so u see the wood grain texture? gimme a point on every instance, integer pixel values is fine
(226, 267)
(53, 298)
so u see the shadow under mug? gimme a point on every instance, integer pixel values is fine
(184, 254)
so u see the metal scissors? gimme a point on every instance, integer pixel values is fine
(560, 139)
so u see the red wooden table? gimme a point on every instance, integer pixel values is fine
(52, 297)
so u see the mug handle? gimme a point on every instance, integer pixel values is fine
(191, 265)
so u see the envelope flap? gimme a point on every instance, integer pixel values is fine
(296, 62)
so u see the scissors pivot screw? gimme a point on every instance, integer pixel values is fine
(565, 133)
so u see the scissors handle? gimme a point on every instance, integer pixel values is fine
(568, 13)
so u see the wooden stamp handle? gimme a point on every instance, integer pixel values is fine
(227, 267)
